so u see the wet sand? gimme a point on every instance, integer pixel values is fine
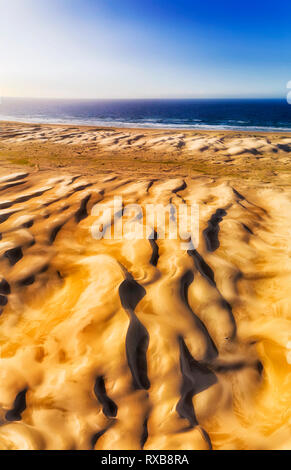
(122, 344)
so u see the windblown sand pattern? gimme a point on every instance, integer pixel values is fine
(231, 144)
(115, 344)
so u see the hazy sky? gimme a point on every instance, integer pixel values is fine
(144, 48)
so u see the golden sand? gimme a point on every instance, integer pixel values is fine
(121, 344)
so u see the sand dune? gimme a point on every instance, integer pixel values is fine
(131, 344)
(232, 143)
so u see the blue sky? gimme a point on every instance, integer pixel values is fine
(145, 48)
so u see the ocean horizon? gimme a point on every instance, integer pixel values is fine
(202, 114)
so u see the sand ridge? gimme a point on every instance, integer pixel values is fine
(121, 344)
(112, 139)
(233, 155)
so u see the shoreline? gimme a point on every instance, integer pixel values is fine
(161, 128)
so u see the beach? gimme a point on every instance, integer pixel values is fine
(118, 343)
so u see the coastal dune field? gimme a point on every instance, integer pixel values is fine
(141, 344)
(259, 156)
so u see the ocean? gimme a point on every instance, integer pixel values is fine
(236, 114)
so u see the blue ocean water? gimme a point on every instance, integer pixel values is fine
(238, 114)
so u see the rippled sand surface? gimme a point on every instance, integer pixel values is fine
(122, 344)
